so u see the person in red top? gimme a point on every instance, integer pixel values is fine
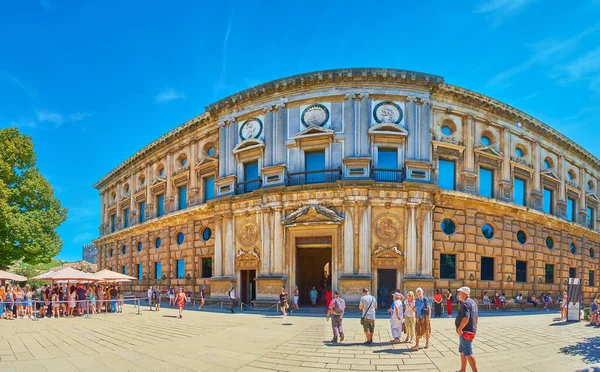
(437, 304)
(449, 303)
(327, 296)
(180, 299)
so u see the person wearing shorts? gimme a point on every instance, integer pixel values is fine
(368, 305)
(422, 324)
(466, 327)
(202, 297)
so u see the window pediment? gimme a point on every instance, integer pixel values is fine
(159, 184)
(314, 135)
(490, 152)
(592, 198)
(550, 176)
(388, 130)
(309, 214)
(249, 149)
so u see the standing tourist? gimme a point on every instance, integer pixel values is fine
(283, 302)
(396, 315)
(312, 295)
(93, 298)
(19, 301)
(422, 324)
(114, 295)
(202, 297)
(232, 298)
(9, 303)
(563, 306)
(336, 309)
(2, 299)
(55, 305)
(150, 295)
(593, 311)
(409, 316)
(296, 297)
(72, 301)
(437, 304)
(180, 299)
(28, 301)
(120, 299)
(466, 327)
(368, 305)
(327, 295)
(486, 301)
(157, 298)
(171, 295)
(449, 303)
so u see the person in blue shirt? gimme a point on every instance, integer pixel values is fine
(594, 312)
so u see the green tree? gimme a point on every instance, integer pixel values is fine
(29, 212)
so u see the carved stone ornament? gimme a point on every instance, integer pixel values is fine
(308, 214)
(316, 114)
(387, 252)
(250, 254)
(248, 234)
(251, 128)
(387, 112)
(387, 227)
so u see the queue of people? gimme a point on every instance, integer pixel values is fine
(55, 301)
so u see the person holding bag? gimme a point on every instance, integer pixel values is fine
(368, 305)
(466, 327)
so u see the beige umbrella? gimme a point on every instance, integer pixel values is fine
(67, 274)
(4, 275)
(111, 276)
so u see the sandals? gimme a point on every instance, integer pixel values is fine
(414, 348)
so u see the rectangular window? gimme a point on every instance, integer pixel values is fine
(549, 274)
(571, 213)
(142, 212)
(487, 268)
(591, 278)
(548, 201)
(250, 171)
(180, 269)
(140, 272)
(125, 217)
(520, 191)
(590, 218)
(182, 197)
(387, 158)
(125, 270)
(521, 276)
(447, 266)
(113, 223)
(206, 267)
(572, 272)
(315, 161)
(160, 205)
(209, 188)
(486, 182)
(158, 270)
(447, 174)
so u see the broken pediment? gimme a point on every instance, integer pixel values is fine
(309, 214)
(249, 259)
(387, 252)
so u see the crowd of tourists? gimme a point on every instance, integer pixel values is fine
(55, 301)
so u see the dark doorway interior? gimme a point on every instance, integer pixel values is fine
(313, 268)
(247, 286)
(386, 285)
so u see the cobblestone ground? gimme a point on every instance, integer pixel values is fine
(216, 341)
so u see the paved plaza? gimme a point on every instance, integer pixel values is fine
(219, 341)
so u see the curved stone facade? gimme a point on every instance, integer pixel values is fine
(365, 169)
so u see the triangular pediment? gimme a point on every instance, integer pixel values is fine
(388, 129)
(206, 162)
(490, 151)
(249, 144)
(592, 196)
(551, 175)
(159, 180)
(313, 131)
(309, 214)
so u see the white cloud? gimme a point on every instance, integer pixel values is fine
(168, 95)
(45, 119)
(84, 238)
(55, 118)
(503, 6)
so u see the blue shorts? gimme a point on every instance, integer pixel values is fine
(465, 347)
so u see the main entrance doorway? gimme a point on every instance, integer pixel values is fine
(386, 285)
(247, 286)
(313, 268)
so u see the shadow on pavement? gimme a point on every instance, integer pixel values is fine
(345, 344)
(393, 351)
(170, 316)
(588, 350)
(560, 323)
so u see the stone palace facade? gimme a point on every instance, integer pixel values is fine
(355, 178)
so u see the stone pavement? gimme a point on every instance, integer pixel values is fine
(218, 341)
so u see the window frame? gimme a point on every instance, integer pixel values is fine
(204, 266)
(447, 255)
(523, 272)
(549, 266)
(449, 161)
(493, 274)
(180, 268)
(492, 172)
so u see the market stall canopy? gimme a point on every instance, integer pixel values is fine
(111, 276)
(10, 276)
(68, 273)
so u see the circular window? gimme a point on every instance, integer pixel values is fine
(591, 185)
(110, 253)
(572, 248)
(571, 175)
(124, 250)
(210, 151)
(206, 233)
(547, 164)
(183, 162)
(549, 243)
(485, 141)
(157, 243)
(142, 179)
(139, 246)
(161, 171)
(448, 226)
(519, 152)
(180, 238)
(591, 253)
(521, 237)
(487, 231)
(126, 188)
(446, 130)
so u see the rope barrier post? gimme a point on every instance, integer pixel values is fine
(35, 311)
(87, 316)
(138, 305)
(221, 305)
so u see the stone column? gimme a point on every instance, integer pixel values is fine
(562, 199)
(267, 242)
(218, 256)
(270, 122)
(278, 243)
(426, 244)
(364, 267)
(411, 124)
(118, 207)
(424, 138)
(148, 191)
(223, 154)
(411, 242)
(169, 196)
(536, 189)
(132, 188)
(231, 142)
(350, 143)
(348, 263)
(280, 134)
(469, 138)
(582, 211)
(102, 212)
(363, 132)
(229, 247)
(193, 191)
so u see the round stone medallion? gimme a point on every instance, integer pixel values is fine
(248, 234)
(252, 128)
(316, 114)
(387, 228)
(387, 112)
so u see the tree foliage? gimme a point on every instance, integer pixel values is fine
(29, 212)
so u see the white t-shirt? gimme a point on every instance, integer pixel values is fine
(408, 312)
(150, 293)
(397, 304)
(232, 294)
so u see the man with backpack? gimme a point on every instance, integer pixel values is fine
(336, 309)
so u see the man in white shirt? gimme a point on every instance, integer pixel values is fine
(233, 298)
(150, 292)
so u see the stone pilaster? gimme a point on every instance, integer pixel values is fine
(426, 241)
(278, 242)
(350, 118)
(364, 267)
(194, 190)
(536, 189)
(223, 158)
(169, 196)
(229, 247)
(363, 131)
(269, 127)
(348, 265)
(218, 249)
(411, 242)
(267, 242)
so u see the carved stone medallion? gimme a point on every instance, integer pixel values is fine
(316, 114)
(387, 227)
(252, 128)
(248, 234)
(387, 112)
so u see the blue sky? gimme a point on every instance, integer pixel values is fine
(93, 82)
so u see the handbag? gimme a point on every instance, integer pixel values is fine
(362, 318)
